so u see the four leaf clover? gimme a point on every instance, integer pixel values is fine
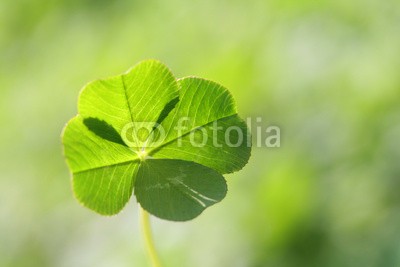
(169, 141)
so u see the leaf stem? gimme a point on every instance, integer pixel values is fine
(146, 228)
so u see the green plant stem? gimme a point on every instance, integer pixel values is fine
(146, 228)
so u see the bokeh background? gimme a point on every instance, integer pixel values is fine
(326, 72)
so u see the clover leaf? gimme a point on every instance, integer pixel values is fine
(167, 140)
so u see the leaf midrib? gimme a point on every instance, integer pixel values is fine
(127, 102)
(155, 149)
(111, 165)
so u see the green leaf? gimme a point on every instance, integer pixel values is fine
(204, 103)
(168, 140)
(105, 189)
(177, 190)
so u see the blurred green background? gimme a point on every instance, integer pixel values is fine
(326, 72)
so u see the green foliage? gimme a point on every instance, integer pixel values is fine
(110, 156)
